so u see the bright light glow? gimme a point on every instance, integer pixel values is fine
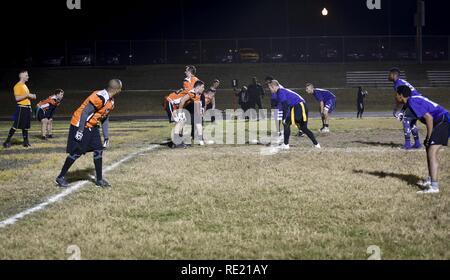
(324, 12)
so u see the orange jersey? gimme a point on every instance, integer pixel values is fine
(103, 105)
(21, 89)
(175, 97)
(193, 98)
(188, 84)
(50, 101)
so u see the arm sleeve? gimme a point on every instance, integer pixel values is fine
(88, 110)
(105, 128)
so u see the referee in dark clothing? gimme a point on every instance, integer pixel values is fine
(22, 115)
(255, 94)
(361, 95)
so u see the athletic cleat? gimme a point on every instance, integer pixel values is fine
(7, 145)
(201, 143)
(50, 136)
(301, 134)
(210, 142)
(45, 138)
(102, 184)
(407, 147)
(425, 184)
(318, 146)
(179, 146)
(284, 147)
(26, 144)
(61, 182)
(429, 191)
(417, 146)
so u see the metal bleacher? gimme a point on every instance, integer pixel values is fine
(438, 78)
(370, 78)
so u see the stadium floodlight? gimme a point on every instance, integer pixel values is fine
(324, 12)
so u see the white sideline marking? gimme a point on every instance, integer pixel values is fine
(273, 150)
(12, 220)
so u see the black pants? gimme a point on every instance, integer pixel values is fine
(360, 109)
(299, 115)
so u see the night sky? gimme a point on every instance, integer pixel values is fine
(205, 19)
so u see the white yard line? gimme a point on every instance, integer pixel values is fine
(58, 197)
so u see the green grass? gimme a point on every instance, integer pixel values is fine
(230, 201)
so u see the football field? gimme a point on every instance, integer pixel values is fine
(225, 201)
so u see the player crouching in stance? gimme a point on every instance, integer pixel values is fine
(84, 134)
(327, 102)
(295, 112)
(45, 110)
(436, 119)
(408, 118)
(193, 98)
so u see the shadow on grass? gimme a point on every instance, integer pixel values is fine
(87, 174)
(31, 150)
(378, 144)
(411, 180)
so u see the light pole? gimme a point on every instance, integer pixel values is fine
(420, 22)
(324, 14)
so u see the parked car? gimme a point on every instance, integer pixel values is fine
(109, 58)
(249, 55)
(434, 54)
(275, 57)
(228, 56)
(406, 55)
(81, 57)
(52, 60)
(355, 55)
(300, 56)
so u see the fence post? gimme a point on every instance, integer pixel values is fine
(130, 53)
(201, 50)
(95, 52)
(448, 46)
(307, 50)
(66, 52)
(165, 51)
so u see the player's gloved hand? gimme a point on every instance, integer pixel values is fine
(106, 143)
(427, 142)
(400, 116)
(79, 136)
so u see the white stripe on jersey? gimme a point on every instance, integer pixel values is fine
(407, 84)
(104, 94)
(301, 98)
(324, 90)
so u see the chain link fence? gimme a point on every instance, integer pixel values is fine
(245, 50)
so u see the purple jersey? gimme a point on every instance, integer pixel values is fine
(323, 95)
(401, 82)
(288, 97)
(421, 105)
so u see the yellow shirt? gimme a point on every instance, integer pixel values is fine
(21, 89)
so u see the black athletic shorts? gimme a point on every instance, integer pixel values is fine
(440, 132)
(91, 141)
(298, 114)
(22, 117)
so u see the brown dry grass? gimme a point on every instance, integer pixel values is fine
(231, 202)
